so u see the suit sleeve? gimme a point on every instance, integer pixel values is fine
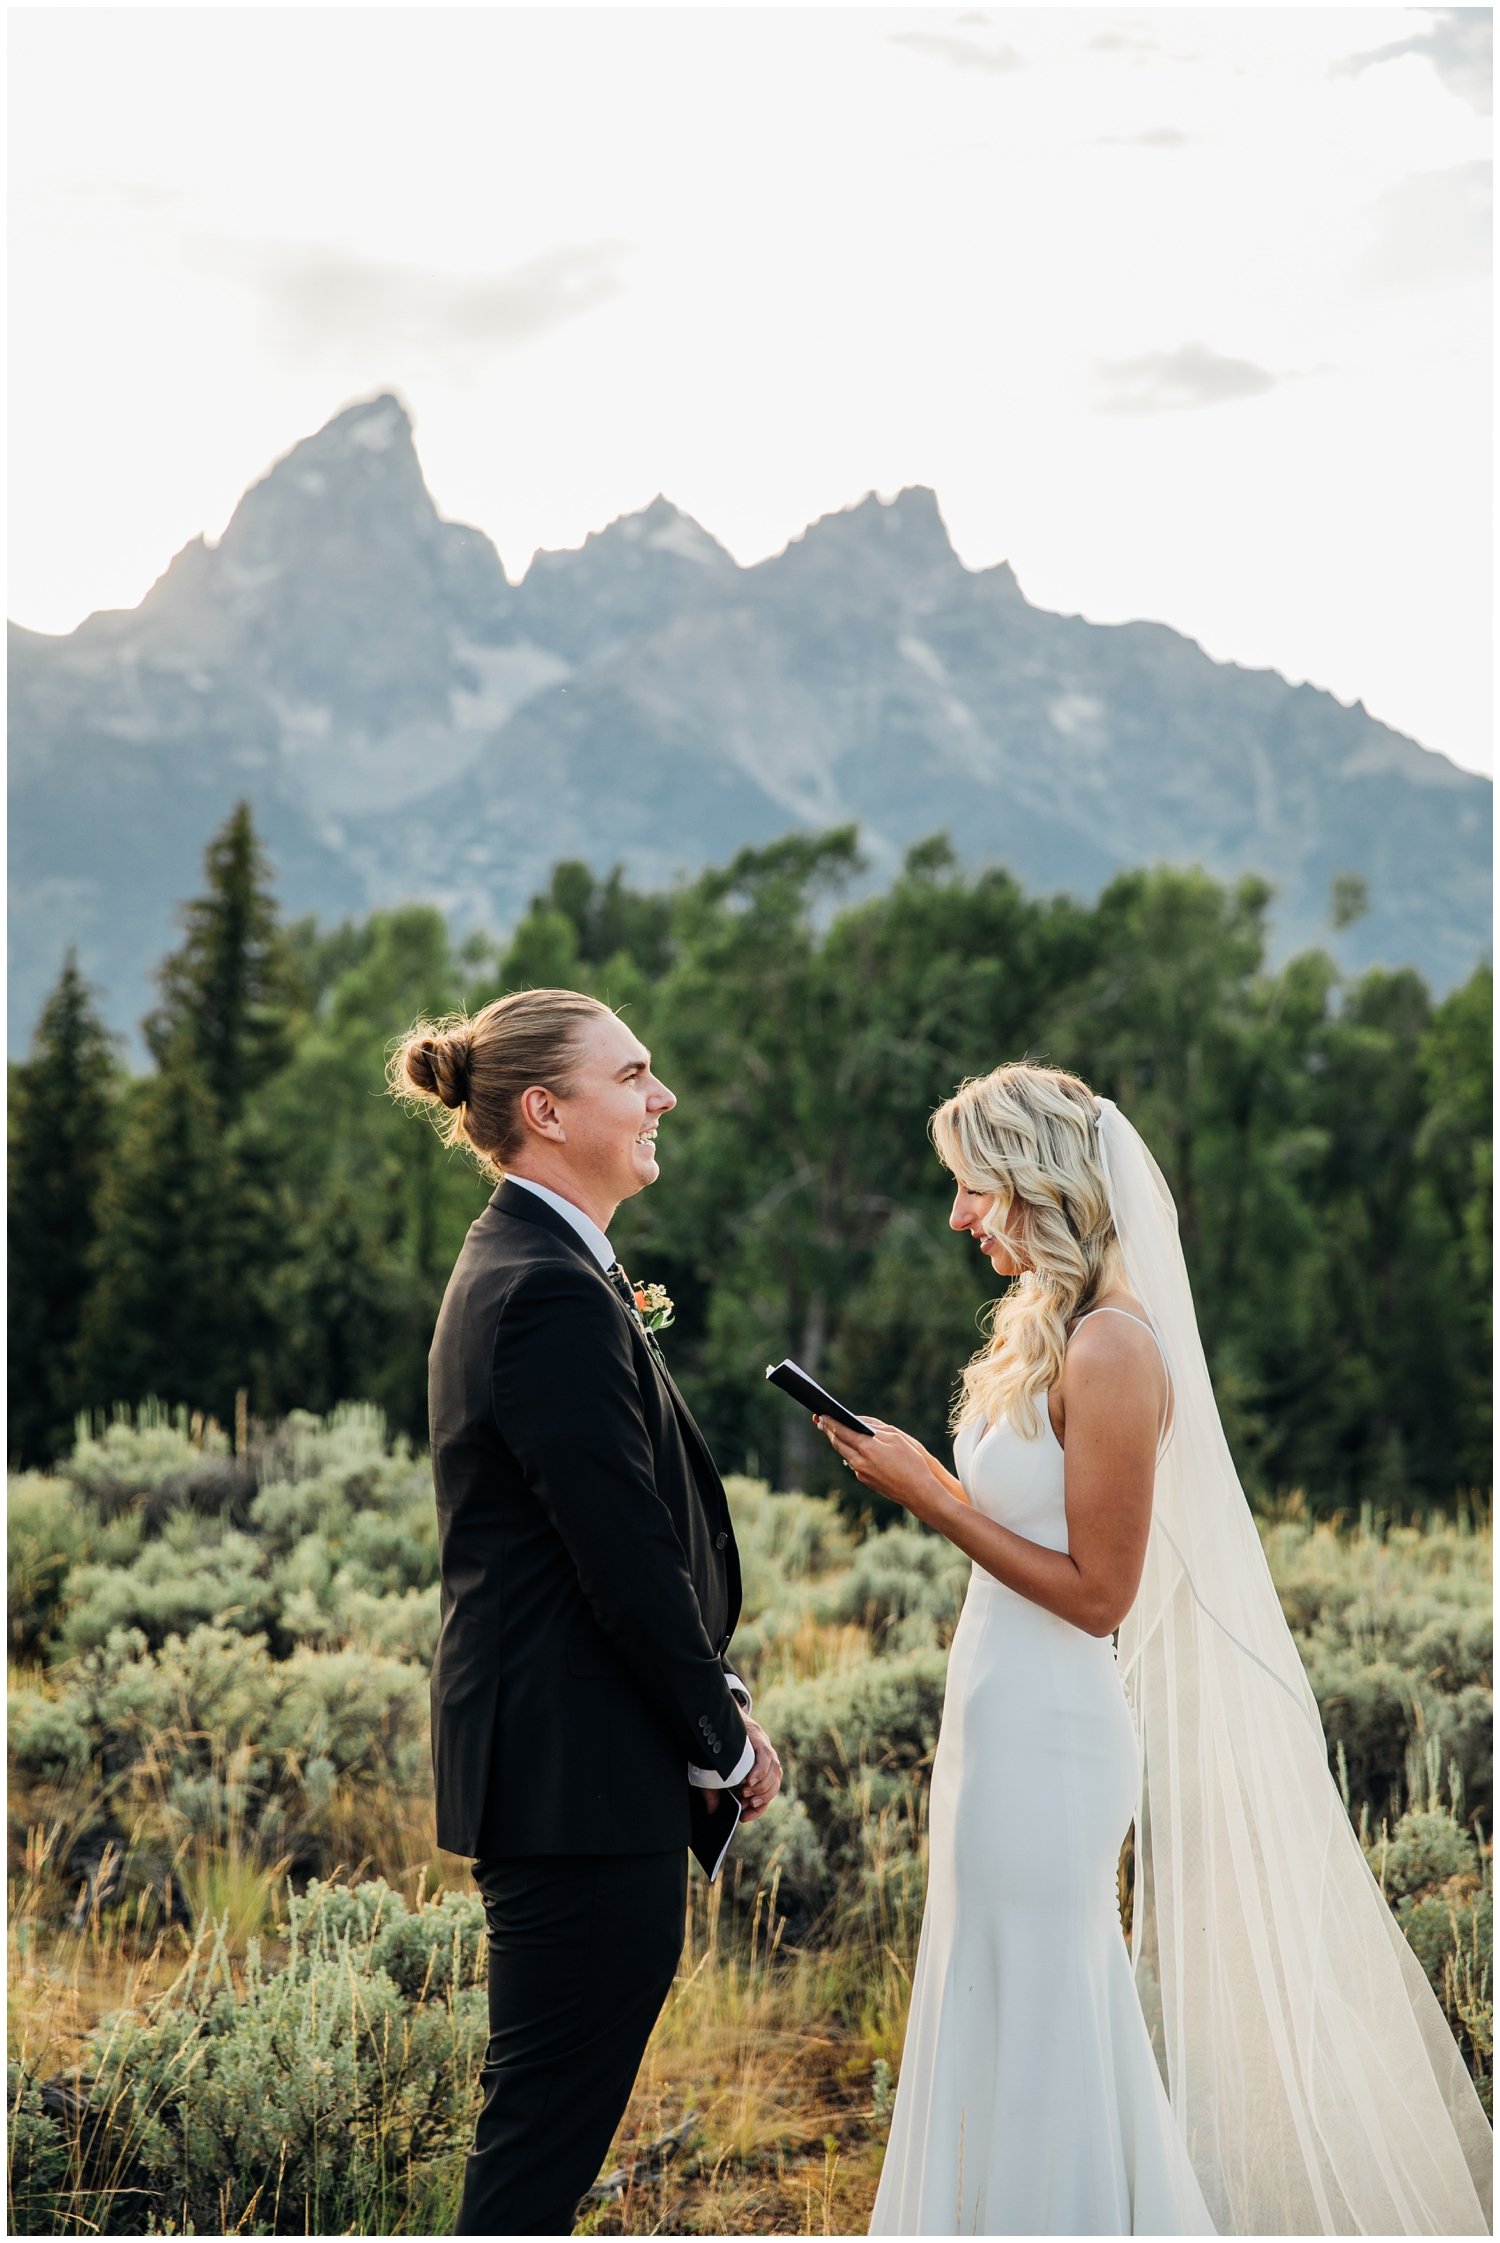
(567, 1403)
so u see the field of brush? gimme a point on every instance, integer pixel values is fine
(246, 1992)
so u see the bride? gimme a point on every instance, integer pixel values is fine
(1273, 2062)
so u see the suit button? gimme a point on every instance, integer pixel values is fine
(720, 1539)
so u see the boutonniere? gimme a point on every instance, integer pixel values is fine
(654, 1306)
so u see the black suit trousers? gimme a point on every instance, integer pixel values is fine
(582, 1952)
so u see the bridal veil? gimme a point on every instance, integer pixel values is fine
(1309, 2064)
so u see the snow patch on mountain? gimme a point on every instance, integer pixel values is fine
(508, 677)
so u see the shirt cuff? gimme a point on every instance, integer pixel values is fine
(709, 1779)
(737, 1690)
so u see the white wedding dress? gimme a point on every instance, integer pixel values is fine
(1029, 2100)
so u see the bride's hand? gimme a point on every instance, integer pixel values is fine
(887, 1460)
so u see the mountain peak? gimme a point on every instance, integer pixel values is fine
(372, 424)
(337, 573)
(631, 576)
(889, 542)
(914, 510)
(660, 527)
(360, 468)
(910, 522)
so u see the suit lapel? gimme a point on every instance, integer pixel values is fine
(685, 1418)
(689, 1426)
(511, 1199)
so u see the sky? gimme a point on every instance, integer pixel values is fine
(1183, 312)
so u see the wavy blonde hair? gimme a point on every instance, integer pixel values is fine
(1030, 1135)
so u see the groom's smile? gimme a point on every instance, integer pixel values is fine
(594, 1137)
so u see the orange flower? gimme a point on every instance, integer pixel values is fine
(640, 1300)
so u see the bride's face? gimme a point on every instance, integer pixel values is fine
(970, 1212)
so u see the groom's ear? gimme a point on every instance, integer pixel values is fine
(539, 1112)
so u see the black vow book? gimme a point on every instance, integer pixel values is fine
(713, 1827)
(793, 1380)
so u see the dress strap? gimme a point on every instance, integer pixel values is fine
(1107, 1310)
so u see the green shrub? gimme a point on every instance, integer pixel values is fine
(1443, 1927)
(212, 1682)
(166, 1591)
(330, 1501)
(1379, 1711)
(1426, 1848)
(47, 1738)
(155, 1464)
(238, 1683)
(50, 1531)
(307, 2101)
(39, 2158)
(903, 1574)
(287, 1514)
(404, 1627)
(210, 1735)
(782, 1539)
(780, 1850)
(853, 1741)
(367, 1715)
(436, 1949)
(1431, 1870)
(386, 1554)
(351, 1439)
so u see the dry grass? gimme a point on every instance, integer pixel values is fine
(775, 2051)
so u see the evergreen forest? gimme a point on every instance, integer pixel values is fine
(248, 1225)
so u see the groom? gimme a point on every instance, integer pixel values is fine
(584, 1712)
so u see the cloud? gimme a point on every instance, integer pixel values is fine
(962, 53)
(1174, 381)
(1130, 39)
(327, 300)
(1430, 227)
(1458, 43)
(1158, 136)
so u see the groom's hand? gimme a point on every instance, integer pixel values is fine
(764, 1780)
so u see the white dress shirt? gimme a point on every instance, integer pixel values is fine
(707, 1779)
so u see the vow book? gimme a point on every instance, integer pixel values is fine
(793, 1380)
(712, 1828)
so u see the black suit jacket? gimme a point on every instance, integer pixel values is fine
(589, 1577)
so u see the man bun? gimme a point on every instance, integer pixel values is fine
(437, 1066)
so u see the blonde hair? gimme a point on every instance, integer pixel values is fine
(479, 1067)
(1030, 1135)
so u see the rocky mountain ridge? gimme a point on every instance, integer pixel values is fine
(407, 722)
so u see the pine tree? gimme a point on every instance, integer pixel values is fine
(191, 1227)
(160, 1318)
(62, 1122)
(345, 1301)
(226, 992)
